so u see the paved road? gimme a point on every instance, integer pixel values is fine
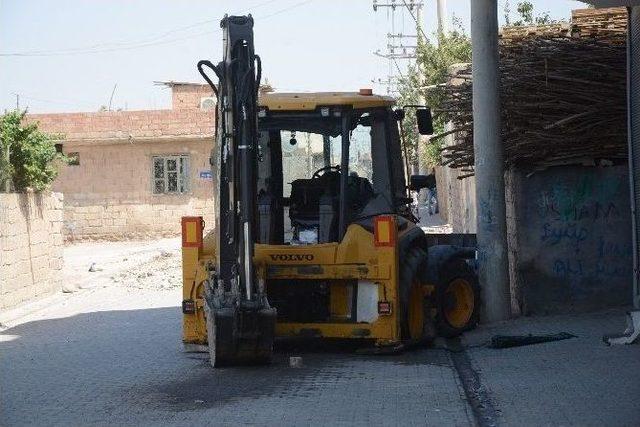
(113, 356)
(575, 382)
(110, 354)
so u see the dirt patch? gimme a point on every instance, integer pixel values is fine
(162, 272)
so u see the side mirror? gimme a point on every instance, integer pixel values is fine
(425, 121)
(418, 182)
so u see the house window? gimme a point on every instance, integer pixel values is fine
(170, 174)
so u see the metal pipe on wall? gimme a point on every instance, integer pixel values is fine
(633, 134)
(489, 170)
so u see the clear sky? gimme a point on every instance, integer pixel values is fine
(71, 53)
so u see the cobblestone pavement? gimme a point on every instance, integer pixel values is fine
(111, 355)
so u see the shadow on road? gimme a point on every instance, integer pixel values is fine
(105, 364)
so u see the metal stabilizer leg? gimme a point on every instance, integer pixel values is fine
(631, 333)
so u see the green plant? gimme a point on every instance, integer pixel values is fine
(434, 60)
(28, 155)
(408, 94)
(526, 15)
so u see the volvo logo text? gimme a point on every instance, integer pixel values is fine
(291, 257)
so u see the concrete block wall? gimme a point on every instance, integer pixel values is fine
(573, 250)
(568, 235)
(31, 246)
(188, 96)
(109, 196)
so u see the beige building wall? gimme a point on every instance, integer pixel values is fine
(109, 195)
(456, 199)
(31, 246)
(188, 95)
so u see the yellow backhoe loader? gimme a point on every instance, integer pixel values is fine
(335, 252)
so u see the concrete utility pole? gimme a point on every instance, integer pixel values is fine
(442, 15)
(489, 163)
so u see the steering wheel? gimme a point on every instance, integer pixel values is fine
(324, 169)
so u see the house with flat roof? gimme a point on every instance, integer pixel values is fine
(134, 174)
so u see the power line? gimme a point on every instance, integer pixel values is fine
(396, 48)
(286, 9)
(152, 38)
(154, 41)
(415, 19)
(50, 101)
(114, 49)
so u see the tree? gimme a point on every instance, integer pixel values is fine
(435, 59)
(29, 155)
(408, 94)
(526, 15)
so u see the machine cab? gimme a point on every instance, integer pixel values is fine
(326, 161)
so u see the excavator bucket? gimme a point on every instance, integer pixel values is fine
(240, 335)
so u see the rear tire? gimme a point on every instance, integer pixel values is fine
(412, 313)
(457, 299)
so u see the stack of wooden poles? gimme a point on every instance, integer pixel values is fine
(563, 94)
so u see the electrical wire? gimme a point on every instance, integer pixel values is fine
(50, 101)
(154, 41)
(166, 33)
(415, 19)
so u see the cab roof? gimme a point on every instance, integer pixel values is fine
(312, 100)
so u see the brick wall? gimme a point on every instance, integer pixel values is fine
(109, 194)
(31, 246)
(188, 96)
(127, 125)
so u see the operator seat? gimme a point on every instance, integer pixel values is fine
(311, 196)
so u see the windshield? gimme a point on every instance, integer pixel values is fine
(330, 170)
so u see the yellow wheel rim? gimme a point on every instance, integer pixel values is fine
(416, 312)
(458, 303)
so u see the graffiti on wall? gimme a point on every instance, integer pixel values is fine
(581, 228)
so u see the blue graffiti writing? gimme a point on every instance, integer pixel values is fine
(614, 249)
(568, 267)
(570, 233)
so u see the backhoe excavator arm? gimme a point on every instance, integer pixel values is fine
(240, 321)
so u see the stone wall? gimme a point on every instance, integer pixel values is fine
(108, 195)
(31, 246)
